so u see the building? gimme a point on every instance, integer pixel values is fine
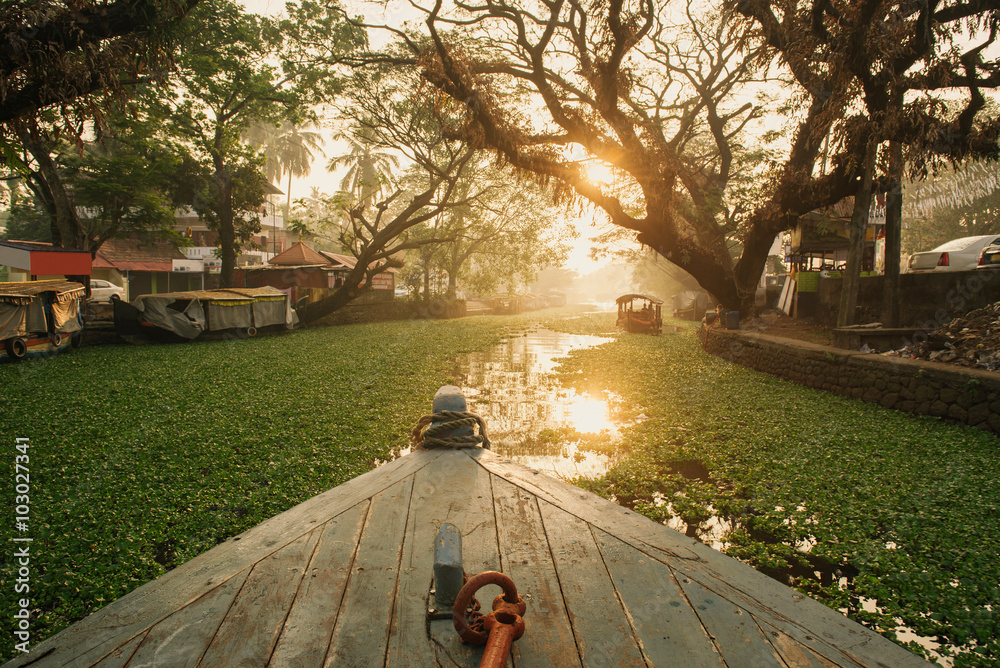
(147, 267)
(309, 275)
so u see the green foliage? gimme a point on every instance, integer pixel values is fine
(27, 221)
(144, 457)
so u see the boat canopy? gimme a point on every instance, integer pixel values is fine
(628, 298)
(189, 313)
(23, 292)
(22, 308)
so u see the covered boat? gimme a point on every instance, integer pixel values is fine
(40, 317)
(640, 313)
(364, 575)
(183, 316)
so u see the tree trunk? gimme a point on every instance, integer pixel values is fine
(893, 236)
(226, 217)
(68, 233)
(859, 223)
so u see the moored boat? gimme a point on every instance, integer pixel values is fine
(184, 316)
(645, 318)
(40, 317)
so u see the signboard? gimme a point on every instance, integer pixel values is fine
(382, 281)
(188, 266)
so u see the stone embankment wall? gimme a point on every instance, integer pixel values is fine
(926, 300)
(956, 394)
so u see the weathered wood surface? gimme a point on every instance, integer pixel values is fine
(345, 579)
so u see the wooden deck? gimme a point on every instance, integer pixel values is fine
(343, 579)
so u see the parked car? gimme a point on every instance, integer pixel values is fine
(105, 291)
(958, 255)
(990, 258)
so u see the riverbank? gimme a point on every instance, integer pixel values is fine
(890, 518)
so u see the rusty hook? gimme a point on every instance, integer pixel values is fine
(506, 607)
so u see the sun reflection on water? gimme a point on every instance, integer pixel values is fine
(530, 416)
(588, 415)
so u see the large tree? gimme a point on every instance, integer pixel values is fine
(874, 79)
(548, 85)
(124, 178)
(235, 70)
(394, 118)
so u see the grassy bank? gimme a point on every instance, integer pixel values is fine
(142, 457)
(889, 517)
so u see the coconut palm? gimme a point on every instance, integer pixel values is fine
(288, 149)
(368, 169)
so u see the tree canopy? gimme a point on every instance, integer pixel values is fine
(665, 94)
(54, 52)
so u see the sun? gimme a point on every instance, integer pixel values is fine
(599, 173)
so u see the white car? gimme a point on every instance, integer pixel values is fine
(958, 255)
(105, 291)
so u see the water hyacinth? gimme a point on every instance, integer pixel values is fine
(143, 457)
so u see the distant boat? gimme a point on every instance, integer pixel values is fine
(644, 319)
(40, 317)
(183, 316)
(352, 577)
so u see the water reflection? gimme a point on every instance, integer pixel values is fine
(530, 417)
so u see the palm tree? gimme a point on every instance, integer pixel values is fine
(369, 170)
(288, 149)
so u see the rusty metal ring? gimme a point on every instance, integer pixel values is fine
(465, 632)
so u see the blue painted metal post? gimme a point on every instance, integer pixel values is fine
(450, 398)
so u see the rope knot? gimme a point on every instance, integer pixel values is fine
(425, 435)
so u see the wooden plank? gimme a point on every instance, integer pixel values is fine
(120, 656)
(795, 654)
(802, 618)
(180, 639)
(830, 634)
(738, 637)
(668, 628)
(548, 639)
(361, 633)
(306, 635)
(251, 628)
(603, 634)
(455, 489)
(591, 508)
(91, 638)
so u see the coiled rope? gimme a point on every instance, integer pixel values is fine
(448, 421)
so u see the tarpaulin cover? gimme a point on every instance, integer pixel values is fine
(13, 320)
(36, 317)
(67, 317)
(691, 299)
(229, 314)
(187, 314)
(182, 316)
(270, 312)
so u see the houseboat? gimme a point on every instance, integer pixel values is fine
(183, 316)
(40, 317)
(640, 313)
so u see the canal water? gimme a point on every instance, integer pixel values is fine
(530, 417)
